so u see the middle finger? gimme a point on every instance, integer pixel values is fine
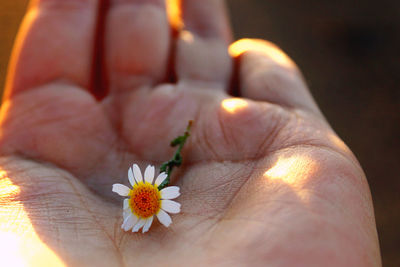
(137, 44)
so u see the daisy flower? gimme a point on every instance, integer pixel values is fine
(145, 200)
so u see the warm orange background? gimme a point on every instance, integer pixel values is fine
(11, 13)
(349, 54)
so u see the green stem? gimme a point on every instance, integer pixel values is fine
(176, 160)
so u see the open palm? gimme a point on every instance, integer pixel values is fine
(264, 178)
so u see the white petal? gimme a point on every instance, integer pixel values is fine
(126, 203)
(138, 225)
(170, 192)
(147, 225)
(130, 177)
(160, 178)
(170, 206)
(129, 222)
(126, 213)
(164, 218)
(121, 189)
(149, 174)
(137, 173)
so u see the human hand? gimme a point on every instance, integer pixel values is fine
(265, 180)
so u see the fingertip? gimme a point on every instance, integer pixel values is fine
(266, 73)
(259, 46)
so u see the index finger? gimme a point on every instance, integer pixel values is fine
(54, 44)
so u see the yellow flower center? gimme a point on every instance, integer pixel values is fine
(145, 199)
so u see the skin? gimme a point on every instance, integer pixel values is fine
(265, 180)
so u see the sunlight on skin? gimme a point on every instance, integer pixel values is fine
(233, 105)
(7, 188)
(239, 47)
(293, 171)
(187, 36)
(174, 14)
(338, 142)
(19, 243)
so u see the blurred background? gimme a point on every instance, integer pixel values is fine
(349, 52)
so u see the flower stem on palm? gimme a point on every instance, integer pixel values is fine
(176, 160)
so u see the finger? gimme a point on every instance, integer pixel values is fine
(267, 73)
(201, 49)
(54, 44)
(137, 43)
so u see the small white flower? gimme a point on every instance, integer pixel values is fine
(145, 200)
